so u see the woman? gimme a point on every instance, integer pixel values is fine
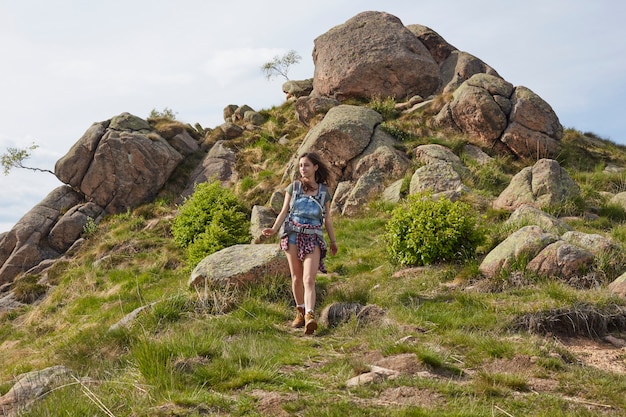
(307, 203)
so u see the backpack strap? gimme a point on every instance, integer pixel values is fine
(321, 198)
(297, 190)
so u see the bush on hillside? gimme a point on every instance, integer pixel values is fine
(211, 219)
(424, 230)
(386, 107)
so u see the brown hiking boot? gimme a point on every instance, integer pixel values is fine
(310, 324)
(299, 320)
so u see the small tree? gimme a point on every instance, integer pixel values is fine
(14, 158)
(280, 65)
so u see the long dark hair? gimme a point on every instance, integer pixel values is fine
(323, 174)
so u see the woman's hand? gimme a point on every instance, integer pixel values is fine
(333, 248)
(268, 231)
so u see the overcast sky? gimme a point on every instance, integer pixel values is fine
(66, 64)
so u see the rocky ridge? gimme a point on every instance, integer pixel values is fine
(124, 162)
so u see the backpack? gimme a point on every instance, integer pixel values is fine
(319, 198)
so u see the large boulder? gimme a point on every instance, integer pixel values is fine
(394, 192)
(231, 130)
(543, 185)
(497, 115)
(343, 135)
(523, 244)
(72, 225)
(380, 154)
(369, 185)
(342, 193)
(373, 55)
(434, 153)
(477, 108)
(298, 88)
(119, 164)
(217, 165)
(619, 199)
(260, 218)
(597, 244)
(362, 157)
(534, 129)
(308, 107)
(437, 46)
(455, 66)
(27, 244)
(459, 67)
(240, 265)
(526, 214)
(184, 143)
(33, 386)
(618, 286)
(438, 178)
(569, 259)
(561, 260)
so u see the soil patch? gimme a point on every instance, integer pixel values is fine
(600, 355)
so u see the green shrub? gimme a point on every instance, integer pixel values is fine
(424, 230)
(385, 106)
(210, 220)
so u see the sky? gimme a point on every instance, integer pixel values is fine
(66, 64)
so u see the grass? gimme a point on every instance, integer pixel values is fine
(228, 351)
(181, 358)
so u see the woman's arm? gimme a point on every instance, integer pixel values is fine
(280, 218)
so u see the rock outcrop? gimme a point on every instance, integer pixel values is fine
(526, 214)
(31, 386)
(27, 243)
(240, 265)
(455, 66)
(238, 119)
(372, 55)
(217, 165)
(497, 115)
(115, 166)
(569, 258)
(361, 156)
(524, 244)
(543, 185)
(119, 164)
(343, 135)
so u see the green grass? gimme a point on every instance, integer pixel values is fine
(218, 351)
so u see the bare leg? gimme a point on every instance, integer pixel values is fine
(309, 270)
(295, 267)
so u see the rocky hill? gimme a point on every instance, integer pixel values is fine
(395, 110)
(124, 161)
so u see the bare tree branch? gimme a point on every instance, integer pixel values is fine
(14, 158)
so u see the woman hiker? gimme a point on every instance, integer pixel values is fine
(304, 211)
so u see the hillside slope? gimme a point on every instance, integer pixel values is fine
(439, 340)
